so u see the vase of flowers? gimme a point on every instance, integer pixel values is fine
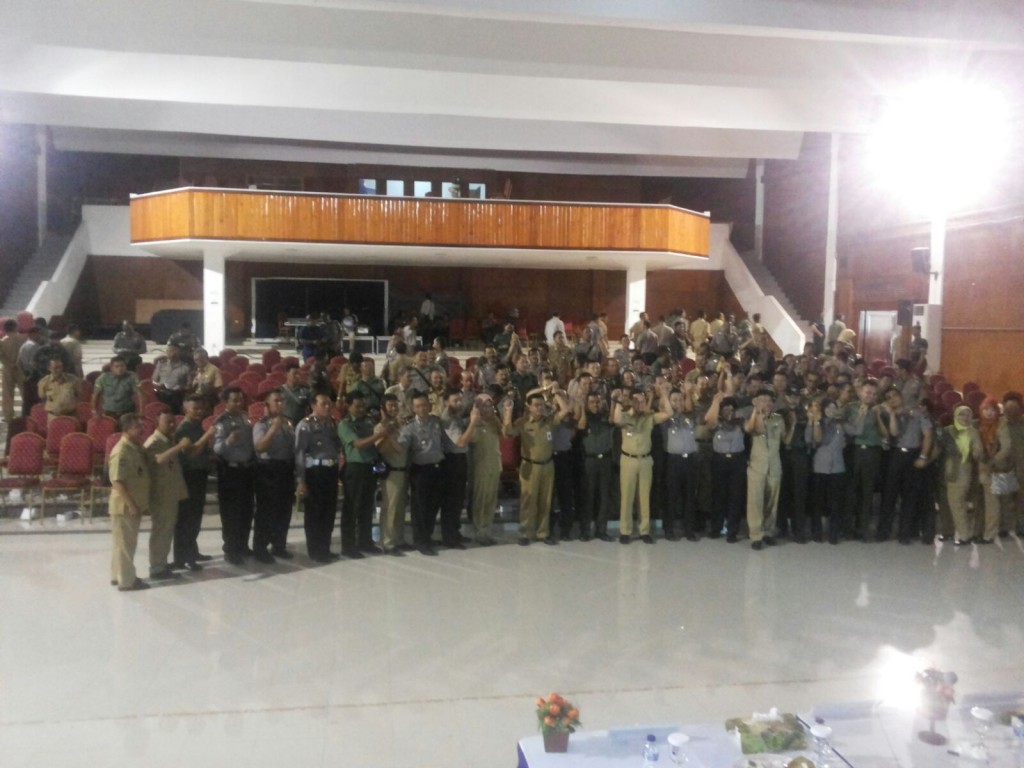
(936, 696)
(557, 718)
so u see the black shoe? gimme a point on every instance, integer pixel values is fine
(321, 558)
(333, 556)
(904, 541)
(567, 536)
(523, 541)
(715, 535)
(731, 539)
(757, 545)
(692, 537)
(961, 542)
(371, 549)
(394, 552)
(945, 538)
(769, 541)
(585, 537)
(283, 554)
(247, 552)
(201, 558)
(426, 549)
(177, 565)
(799, 538)
(455, 545)
(194, 567)
(1004, 534)
(605, 537)
(880, 538)
(234, 558)
(407, 547)
(464, 538)
(113, 582)
(672, 537)
(352, 553)
(926, 541)
(551, 541)
(264, 557)
(623, 539)
(833, 538)
(647, 539)
(165, 574)
(983, 540)
(137, 586)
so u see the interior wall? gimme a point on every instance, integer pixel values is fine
(17, 201)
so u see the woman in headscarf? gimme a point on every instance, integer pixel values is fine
(961, 445)
(995, 466)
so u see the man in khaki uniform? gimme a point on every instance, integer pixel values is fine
(59, 391)
(395, 488)
(129, 499)
(535, 430)
(764, 472)
(167, 488)
(13, 377)
(633, 416)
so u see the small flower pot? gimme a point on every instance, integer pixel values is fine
(556, 741)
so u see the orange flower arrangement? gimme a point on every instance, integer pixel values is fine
(555, 713)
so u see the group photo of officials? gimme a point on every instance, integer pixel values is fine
(693, 423)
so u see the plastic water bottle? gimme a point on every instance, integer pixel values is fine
(651, 752)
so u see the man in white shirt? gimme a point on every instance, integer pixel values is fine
(553, 326)
(427, 308)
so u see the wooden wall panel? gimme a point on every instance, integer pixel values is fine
(244, 215)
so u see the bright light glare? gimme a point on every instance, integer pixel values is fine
(940, 143)
(897, 684)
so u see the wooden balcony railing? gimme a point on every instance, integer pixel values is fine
(248, 215)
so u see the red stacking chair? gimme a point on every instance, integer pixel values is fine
(974, 399)
(271, 358)
(148, 427)
(102, 484)
(281, 368)
(278, 379)
(970, 386)
(228, 375)
(99, 428)
(55, 432)
(147, 389)
(950, 399)
(144, 370)
(257, 411)
(74, 469)
(227, 354)
(83, 412)
(25, 321)
(23, 464)
(39, 415)
(510, 459)
(85, 391)
(248, 387)
(258, 368)
(154, 409)
(686, 365)
(267, 385)
(238, 363)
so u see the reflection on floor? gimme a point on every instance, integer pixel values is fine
(436, 661)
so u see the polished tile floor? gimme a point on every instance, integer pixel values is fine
(436, 661)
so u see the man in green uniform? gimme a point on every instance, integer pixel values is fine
(596, 435)
(359, 443)
(633, 416)
(129, 499)
(116, 392)
(535, 430)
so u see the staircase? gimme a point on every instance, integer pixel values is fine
(38, 269)
(766, 280)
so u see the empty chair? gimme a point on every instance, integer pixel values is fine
(970, 386)
(271, 358)
(248, 387)
(227, 354)
(56, 430)
(154, 409)
(148, 427)
(257, 368)
(144, 370)
(39, 415)
(267, 385)
(74, 470)
(102, 483)
(257, 411)
(950, 399)
(85, 391)
(83, 412)
(99, 428)
(239, 363)
(23, 465)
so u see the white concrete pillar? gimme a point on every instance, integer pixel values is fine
(832, 227)
(42, 193)
(636, 292)
(214, 310)
(759, 210)
(937, 260)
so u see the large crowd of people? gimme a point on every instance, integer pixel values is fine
(696, 423)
